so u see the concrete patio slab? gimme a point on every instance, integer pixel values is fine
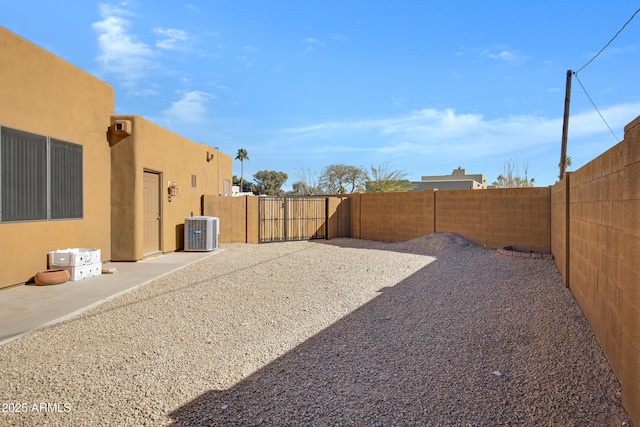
(27, 308)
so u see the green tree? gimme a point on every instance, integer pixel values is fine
(341, 179)
(300, 188)
(270, 182)
(242, 155)
(512, 177)
(244, 184)
(568, 162)
(384, 180)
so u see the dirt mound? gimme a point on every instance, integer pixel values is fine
(436, 242)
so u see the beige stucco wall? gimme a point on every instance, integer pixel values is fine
(154, 148)
(46, 95)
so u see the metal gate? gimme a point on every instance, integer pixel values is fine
(292, 218)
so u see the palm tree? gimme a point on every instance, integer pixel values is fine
(242, 156)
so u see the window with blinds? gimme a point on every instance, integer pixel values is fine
(40, 177)
(66, 179)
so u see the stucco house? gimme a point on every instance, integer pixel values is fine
(74, 174)
(458, 180)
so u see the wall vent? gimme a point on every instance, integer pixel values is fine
(122, 126)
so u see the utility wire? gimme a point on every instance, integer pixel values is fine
(575, 73)
(594, 106)
(607, 45)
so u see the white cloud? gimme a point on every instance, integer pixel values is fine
(617, 116)
(190, 108)
(506, 55)
(245, 60)
(311, 44)
(339, 37)
(173, 39)
(446, 136)
(502, 54)
(120, 54)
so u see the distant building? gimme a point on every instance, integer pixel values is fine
(458, 180)
(235, 192)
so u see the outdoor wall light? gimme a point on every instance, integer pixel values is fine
(173, 190)
(209, 156)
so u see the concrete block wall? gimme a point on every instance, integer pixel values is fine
(393, 217)
(239, 217)
(251, 219)
(339, 216)
(517, 217)
(598, 208)
(595, 263)
(627, 226)
(560, 226)
(232, 212)
(356, 213)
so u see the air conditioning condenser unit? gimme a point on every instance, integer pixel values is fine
(201, 233)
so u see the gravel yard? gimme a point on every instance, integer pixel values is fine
(433, 331)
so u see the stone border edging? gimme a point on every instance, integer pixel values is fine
(509, 251)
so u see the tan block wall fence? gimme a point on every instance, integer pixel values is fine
(599, 260)
(392, 217)
(517, 217)
(238, 217)
(339, 214)
(560, 226)
(492, 218)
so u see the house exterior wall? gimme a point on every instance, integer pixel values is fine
(458, 180)
(153, 148)
(45, 95)
(462, 184)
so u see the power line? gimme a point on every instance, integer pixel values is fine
(567, 101)
(594, 106)
(607, 45)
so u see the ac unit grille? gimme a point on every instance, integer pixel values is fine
(201, 233)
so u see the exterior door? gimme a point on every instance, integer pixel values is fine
(152, 218)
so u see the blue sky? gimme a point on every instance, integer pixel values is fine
(427, 86)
